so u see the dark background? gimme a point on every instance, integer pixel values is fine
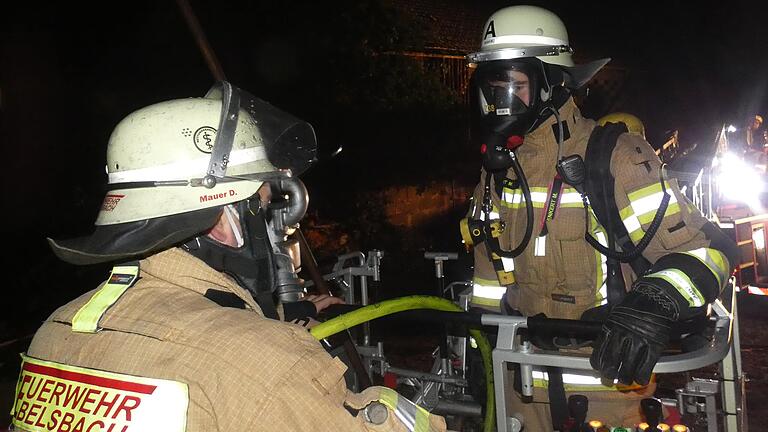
(70, 71)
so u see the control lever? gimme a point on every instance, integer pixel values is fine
(651, 409)
(578, 406)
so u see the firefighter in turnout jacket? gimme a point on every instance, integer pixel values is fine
(184, 335)
(643, 258)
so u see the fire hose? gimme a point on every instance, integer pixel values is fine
(388, 307)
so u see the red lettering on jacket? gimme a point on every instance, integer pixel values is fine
(127, 407)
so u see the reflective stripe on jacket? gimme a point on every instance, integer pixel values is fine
(559, 274)
(243, 371)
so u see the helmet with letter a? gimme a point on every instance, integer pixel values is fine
(524, 70)
(174, 165)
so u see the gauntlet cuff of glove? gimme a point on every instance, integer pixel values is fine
(662, 297)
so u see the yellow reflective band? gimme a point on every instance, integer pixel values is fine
(672, 209)
(491, 216)
(682, 284)
(572, 205)
(489, 292)
(494, 213)
(412, 416)
(488, 302)
(571, 198)
(538, 194)
(642, 209)
(601, 262)
(486, 292)
(480, 281)
(594, 224)
(513, 198)
(647, 191)
(422, 419)
(535, 189)
(86, 320)
(632, 224)
(581, 383)
(651, 202)
(714, 260)
(472, 342)
(52, 396)
(600, 234)
(602, 271)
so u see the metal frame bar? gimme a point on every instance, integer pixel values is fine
(508, 350)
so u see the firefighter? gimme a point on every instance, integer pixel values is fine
(752, 133)
(179, 337)
(541, 243)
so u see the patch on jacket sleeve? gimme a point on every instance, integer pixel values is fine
(564, 298)
(52, 396)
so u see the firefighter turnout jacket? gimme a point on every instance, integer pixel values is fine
(173, 345)
(559, 273)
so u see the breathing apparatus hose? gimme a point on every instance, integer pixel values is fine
(495, 247)
(388, 307)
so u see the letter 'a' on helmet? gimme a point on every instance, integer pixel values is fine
(173, 165)
(524, 31)
(634, 124)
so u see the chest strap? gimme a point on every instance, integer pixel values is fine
(86, 320)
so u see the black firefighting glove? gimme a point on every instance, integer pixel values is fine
(299, 309)
(635, 333)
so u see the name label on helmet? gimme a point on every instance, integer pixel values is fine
(491, 30)
(52, 396)
(111, 201)
(214, 197)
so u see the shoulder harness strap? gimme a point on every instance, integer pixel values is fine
(600, 186)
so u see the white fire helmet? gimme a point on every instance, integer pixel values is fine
(190, 154)
(524, 31)
(519, 32)
(173, 165)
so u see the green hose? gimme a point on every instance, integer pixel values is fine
(388, 307)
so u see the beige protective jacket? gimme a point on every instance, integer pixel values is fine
(560, 274)
(242, 371)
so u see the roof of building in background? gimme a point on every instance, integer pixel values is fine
(449, 27)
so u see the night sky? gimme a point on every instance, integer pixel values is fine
(69, 71)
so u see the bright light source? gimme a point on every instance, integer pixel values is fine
(738, 181)
(731, 128)
(758, 237)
